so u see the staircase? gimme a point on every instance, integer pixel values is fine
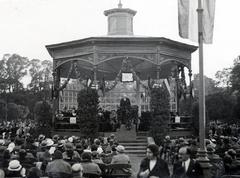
(135, 147)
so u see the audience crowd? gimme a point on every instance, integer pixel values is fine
(25, 154)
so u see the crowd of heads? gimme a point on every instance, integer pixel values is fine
(23, 154)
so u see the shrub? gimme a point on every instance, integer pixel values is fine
(160, 113)
(87, 112)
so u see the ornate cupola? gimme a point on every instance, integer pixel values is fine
(120, 20)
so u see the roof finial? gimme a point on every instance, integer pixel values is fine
(120, 4)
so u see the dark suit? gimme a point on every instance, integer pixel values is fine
(160, 169)
(125, 106)
(194, 170)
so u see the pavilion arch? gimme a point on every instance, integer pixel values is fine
(70, 60)
(177, 61)
(126, 56)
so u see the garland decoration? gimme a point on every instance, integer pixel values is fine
(126, 67)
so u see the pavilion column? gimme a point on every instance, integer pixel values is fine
(190, 85)
(56, 84)
(178, 88)
(138, 98)
(95, 76)
(158, 72)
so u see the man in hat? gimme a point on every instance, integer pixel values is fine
(121, 158)
(15, 169)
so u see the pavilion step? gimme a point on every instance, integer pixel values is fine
(142, 133)
(134, 144)
(135, 152)
(133, 141)
(135, 147)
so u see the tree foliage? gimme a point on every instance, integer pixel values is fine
(87, 112)
(43, 112)
(219, 106)
(223, 78)
(235, 75)
(14, 68)
(41, 75)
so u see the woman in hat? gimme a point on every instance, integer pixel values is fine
(152, 166)
(15, 169)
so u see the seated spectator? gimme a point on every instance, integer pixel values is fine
(186, 167)
(77, 170)
(99, 147)
(34, 173)
(26, 161)
(58, 168)
(95, 158)
(15, 169)
(121, 158)
(88, 165)
(70, 155)
(235, 164)
(152, 165)
(2, 174)
(6, 158)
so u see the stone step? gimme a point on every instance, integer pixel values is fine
(133, 141)
(133, 144)
(135, 147)
(142, 133)
(135, 152)
(141, 137)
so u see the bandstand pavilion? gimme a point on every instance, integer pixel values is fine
(105, 59)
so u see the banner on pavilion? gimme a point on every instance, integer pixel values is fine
(188, 19)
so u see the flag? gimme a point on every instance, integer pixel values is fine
(188, 19)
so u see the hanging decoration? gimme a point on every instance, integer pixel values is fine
(56, 89)
(87, 81)
(126, 67)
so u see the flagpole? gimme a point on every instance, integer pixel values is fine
(202, 116)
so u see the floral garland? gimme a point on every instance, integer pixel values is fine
(60, 88)
(126, 65)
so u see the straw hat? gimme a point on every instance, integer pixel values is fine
(14, 165)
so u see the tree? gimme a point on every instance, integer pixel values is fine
(235, 75)
(41, 75)
(14, 69)
(219, 106)
(210, 85)
(36, 75)
(3, 110)
(87, 112)
(160, 113)
(12, 111)
(43, 116)
(223, 78)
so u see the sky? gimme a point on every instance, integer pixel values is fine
(26, 26)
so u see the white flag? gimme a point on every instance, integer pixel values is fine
(188, 19)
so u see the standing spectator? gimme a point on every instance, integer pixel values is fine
(152, 165)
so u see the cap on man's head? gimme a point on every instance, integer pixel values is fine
(120, 149)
